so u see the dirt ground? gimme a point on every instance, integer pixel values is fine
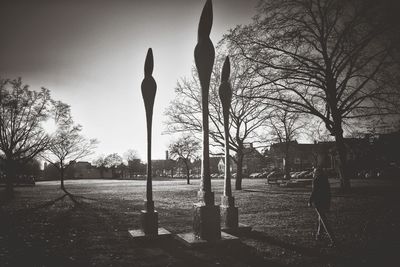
(44, 227)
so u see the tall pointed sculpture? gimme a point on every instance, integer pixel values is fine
(206, 223)
(207, 220)
(149, 216)
(229, 213)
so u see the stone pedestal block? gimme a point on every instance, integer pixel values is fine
(149, 222)
(138, 234)
(207, 222)
(229, 217)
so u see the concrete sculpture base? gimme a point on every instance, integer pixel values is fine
(149, 227)
(191, 240)
(149, 222)
(241, 228)
(229, 217)
(140, 235)
(207, 222)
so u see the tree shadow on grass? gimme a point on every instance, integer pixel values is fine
(72, 197)
(54, 201)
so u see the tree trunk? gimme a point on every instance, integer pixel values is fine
(239, 170)
(341, 148)
(287, 161)
(338, 133)
(187, 173)
(10, 169)
(62, 178)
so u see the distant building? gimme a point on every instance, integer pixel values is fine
(85, 170)
(301, 156)
(136, 167)
(221, 166)
(214, 162)
(385, 148)
(214, 166)
(164, 167)
(253, 161)
(362, 153)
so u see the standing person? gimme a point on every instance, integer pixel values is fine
(321, 199)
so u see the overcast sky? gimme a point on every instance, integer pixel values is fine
(90, 54)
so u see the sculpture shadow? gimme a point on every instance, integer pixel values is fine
(233, 253)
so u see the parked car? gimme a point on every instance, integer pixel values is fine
(303, 174)
(309, 174)
(274, 176)
(296, 175)
(254, 175)
(214, 175)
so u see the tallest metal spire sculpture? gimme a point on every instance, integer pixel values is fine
(149, 88)
(206, 223)
(204, 57)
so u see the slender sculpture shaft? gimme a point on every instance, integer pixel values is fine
(149, 88)
(227, 181)
(149, 186)
(204, 54)
(225, 94)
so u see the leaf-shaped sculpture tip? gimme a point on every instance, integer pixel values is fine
(149, 85)
(206, 20)
(226, 70)
(149, 63)
(225, 90)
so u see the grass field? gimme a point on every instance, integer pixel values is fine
(44, 227)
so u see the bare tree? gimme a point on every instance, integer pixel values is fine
(132, 158)
(113, 161)
(285, 127)
(67, 143)
(101, 163)
(328, 58)
(131, 154)
(247, 116)
(22, 136)
(185, 150)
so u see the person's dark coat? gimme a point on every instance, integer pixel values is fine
(321, 192)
